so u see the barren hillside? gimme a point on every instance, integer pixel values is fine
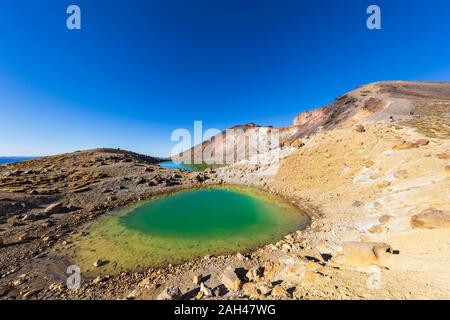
(377, 171)
(382, 101)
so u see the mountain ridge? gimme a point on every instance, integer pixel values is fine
(383, 101)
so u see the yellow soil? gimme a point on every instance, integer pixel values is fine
(337, 168)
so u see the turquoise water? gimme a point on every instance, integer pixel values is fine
(174, 165)
(203, 214)
(185, 226)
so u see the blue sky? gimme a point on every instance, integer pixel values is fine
(139, 69)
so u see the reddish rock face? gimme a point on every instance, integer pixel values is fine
(431, 218)
(309, 117)
(422, 142)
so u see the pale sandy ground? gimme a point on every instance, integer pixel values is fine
(337, 168)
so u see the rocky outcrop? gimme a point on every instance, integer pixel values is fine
(230, 279)
(363, 253)
(431, 218)
(170, 293)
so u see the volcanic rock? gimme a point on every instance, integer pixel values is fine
(230, 279)
(431, 218)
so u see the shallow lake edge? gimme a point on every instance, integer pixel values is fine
(256, 192)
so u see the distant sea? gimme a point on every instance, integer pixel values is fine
(4, 160)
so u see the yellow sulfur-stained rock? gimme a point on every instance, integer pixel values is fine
(230, 280)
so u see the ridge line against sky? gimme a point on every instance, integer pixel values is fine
(138, 69)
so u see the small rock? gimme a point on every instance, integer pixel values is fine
(287, 268)
(298, 293)
(205, 290)
(140, 180)
(377, 229)
(369, 163)
(444, 155)
(431, 218)
(230, 280)
(359, 128)
(401, 174)
(264, 287)
(279, 292)
(362, 253)
(29, 217)
(255, 274)
(24, 236)
(98, 263)
(54, 208)
(405, 145)
(197, 279)
(4, 291)
(240, 256)
(251, 289)
(47, 223)
(56, 287)
(386, 218)
(30, 293)
(312, 270)
(18, 281)
(131, 295)
(297, 144)
(146, 283)
(357, 204)
(199, 296)
(170, 293)
(219, 291)
(100, 279)
(422, 142)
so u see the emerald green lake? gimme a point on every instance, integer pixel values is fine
(185, 226)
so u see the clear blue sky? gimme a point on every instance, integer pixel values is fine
(139, 69)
